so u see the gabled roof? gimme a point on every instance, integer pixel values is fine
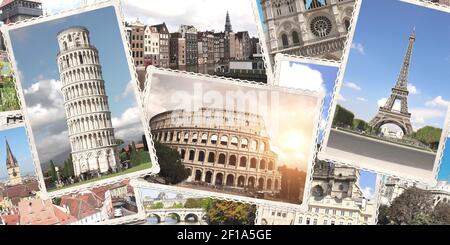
(17, 192)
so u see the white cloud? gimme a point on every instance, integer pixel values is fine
(421, 116)
(382, 102)
(368, 192)
(129, 125)
(437, 102)
(358, 47)
(352, 85)
(341, 98)
(413, 89)
(299, 76)
(129, 90)
(361, 99)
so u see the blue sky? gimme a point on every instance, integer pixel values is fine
(379, 47)
(444, 171)
(368, 183)
(35, 49)
(302, 75)
(18, 141)
(261, 13)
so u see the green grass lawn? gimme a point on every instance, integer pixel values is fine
(140, 167)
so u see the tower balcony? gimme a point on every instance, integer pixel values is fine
(8, 14)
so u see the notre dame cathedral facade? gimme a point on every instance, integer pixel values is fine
(312, 28)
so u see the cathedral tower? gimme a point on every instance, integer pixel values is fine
(12, 167)
(228, 27)
(91, 132)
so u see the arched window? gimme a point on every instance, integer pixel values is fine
(183, 154)
(204, 138)
(253, 163)
(65, 48)
(222, 158)
(186, 137)
(243, 162)
(211, 157)
(262, 164)
(214, 139)
(191, 155)
(198, 175)
(194, 138)
(201, 156)
(317, 191)
(271, 167)
(224, 140)
(284, 39)
(234, 141)
(244, 143)
(295, 38)
(70, 38)
(232, 161)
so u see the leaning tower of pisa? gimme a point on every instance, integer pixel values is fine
(86, 104)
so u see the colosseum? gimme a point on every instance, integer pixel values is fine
(221, 148)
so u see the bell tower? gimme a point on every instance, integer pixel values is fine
(12, 167)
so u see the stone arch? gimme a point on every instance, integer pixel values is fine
(198, 175)
(253, 163)
(271, 166)
(380, 123)
(276, 185)
(317, 191)
(191, 155)
(214, 139)
(269, 184)
(183, 154)
(244, 143)
(284, 40)
(243, 162)
(234, 141)
(219, 179)
(208, 177)
(222, 159)
(211, 157)
(230, 180)
(224, 140)
(253, 145)
(201, 156)
(262, 164)
(194, 138)
(241, 181)
(204, 138)
(174, 215)
(157, 217)
(191, 218)
(261, 183)
(251, 182)
(232, 161)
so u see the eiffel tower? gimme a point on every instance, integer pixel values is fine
(400, 92)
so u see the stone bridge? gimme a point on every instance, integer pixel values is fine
(180, 214)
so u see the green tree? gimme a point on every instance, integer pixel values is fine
(171, 167)
(119, 142)
(52, 171)
(157, 205)
(429, 135)
(413, 206)
(70, 170)
(8, 95)
(123, 156)
(441, 214)
(343, 117)
(231, 213)
(193, 203)
(383, 218)
(359, 124)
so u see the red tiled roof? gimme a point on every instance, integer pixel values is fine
(17, 192)
(12, 219)
(37, 212)
(80, 206)
(63, 218)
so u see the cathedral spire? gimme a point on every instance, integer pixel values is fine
(228, 27)
(11, 161)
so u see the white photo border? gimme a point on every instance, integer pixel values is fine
(273, 68)
(120, 22)
(323, 156)
(151, 70)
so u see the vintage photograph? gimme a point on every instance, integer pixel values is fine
(8, 94)
(306, 28)
(230, 137)
(311, 75)
(339, 195)
(80, 98)
(166, 207)
(409, 203)
(391, 110)
(18, 181)
(209, 37)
